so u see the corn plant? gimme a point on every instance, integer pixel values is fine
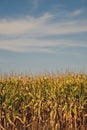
(43, 102)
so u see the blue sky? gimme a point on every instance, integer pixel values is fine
(43, 35)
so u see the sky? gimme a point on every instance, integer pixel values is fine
(43, 36)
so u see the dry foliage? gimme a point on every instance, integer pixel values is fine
(44, 102)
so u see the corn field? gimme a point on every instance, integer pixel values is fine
(43, 102)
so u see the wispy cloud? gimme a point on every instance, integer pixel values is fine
(36, 28)
(27, 24)
(44, 25)
(36, 45)
(75, 13)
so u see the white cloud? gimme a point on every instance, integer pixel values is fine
(75, 13)
(24, 25)
(44, 25)
(36, 45)
(35, 28)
